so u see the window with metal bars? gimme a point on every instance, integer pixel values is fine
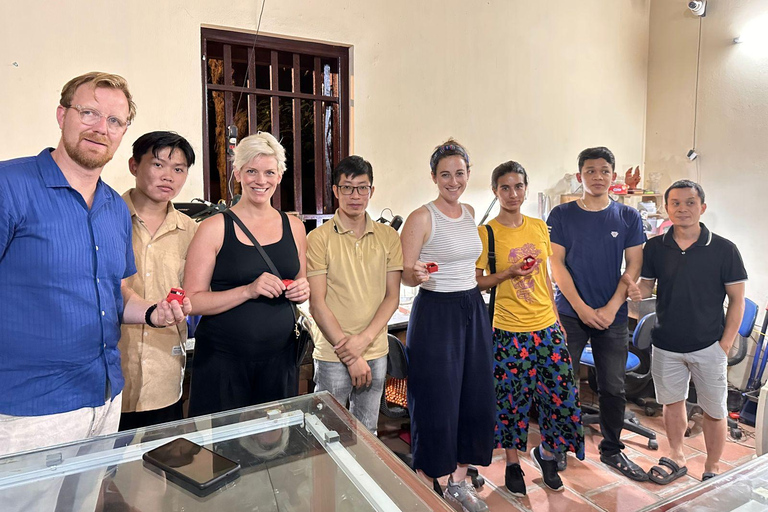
(296, 90)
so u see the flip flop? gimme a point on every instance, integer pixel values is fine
(626, 467)
(667, 471)
(707, 476)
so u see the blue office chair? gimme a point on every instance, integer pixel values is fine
(737, 354)
(745, 331)
(641, 339)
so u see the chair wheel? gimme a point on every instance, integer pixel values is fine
(688, 432)
(653, 444)
(478, 481)
(650, 411)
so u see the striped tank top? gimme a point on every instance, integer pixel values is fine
(455, 246)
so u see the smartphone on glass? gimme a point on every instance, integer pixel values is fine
(192, 467)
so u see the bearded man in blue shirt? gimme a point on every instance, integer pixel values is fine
(65, 252)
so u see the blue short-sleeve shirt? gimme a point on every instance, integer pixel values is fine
(594, 245)
(61, 265)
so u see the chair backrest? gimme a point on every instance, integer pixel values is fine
(397, 364)
(749, 318)
(588, 359)
(641, 338)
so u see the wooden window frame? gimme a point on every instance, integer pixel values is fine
(324, 199)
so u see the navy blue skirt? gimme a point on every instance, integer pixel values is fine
(450, 381)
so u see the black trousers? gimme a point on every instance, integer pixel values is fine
(609, 348)
(132, 420)
(221, 382)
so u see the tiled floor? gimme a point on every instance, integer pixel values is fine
(589, 484)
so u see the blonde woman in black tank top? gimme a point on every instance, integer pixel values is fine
(244, 344)
(450, 382)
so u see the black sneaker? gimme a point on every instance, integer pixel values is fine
(548, 470)
(513, 479)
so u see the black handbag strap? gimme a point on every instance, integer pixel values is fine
(267, 259)
(255, 242)
(491, 268)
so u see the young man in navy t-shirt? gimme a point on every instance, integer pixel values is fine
(591, 238)
(695, 270)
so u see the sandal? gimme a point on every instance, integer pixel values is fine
(706, 476)
(667, 471)
(626, 467)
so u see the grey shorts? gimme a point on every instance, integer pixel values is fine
(707, 367)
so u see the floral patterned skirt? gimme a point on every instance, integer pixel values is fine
(535, 368)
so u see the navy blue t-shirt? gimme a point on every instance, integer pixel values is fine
(594, 251)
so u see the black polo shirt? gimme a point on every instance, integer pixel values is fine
(690, 288)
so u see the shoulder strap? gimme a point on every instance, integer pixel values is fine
(255, 242)
(491, 250)
(267, 260)
(491, 268)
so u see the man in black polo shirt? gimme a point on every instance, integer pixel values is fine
(695, 269)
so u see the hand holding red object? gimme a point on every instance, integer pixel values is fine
(529, 262)
(176, 294)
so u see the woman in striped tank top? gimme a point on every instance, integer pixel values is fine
(450, 361)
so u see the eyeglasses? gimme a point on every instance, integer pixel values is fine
(90, 116)
(363, 190)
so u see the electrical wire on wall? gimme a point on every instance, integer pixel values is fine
(696, 100)
(232, 129)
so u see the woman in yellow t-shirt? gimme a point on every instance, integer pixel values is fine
(531, 362)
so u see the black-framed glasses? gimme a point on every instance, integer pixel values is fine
(90, 116)
(347, 190)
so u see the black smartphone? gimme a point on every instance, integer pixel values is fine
(192, 466)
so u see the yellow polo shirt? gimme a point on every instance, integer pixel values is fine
(356, 274)
(153, 359)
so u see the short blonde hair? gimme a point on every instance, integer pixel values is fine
(98, 79)
(258, 144)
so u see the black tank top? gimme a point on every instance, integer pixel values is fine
(258, 328)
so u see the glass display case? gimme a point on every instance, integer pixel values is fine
(742, 489)
(302, 454)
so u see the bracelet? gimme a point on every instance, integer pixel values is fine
(148, 316)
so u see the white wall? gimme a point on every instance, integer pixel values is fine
(731, 119)
(512, 79)
(731, 123)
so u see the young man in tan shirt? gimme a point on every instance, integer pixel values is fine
(353, 267)
(153, 359)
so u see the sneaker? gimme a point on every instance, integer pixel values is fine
(548, 470)
(513, 479)
(463, 497)
(562, 461)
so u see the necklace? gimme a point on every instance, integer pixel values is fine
(580, 202)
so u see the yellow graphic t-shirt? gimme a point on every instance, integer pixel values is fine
(523, 304)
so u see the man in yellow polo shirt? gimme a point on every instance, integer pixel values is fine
(354, 267)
